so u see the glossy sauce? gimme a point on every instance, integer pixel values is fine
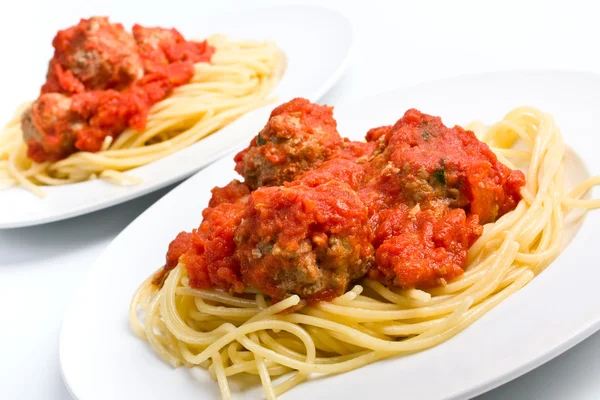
(402, 208)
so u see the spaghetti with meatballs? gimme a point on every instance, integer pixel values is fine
(115, 100)
(333, 254)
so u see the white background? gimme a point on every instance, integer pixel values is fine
(398, 44)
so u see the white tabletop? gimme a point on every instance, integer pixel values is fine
(397, 44)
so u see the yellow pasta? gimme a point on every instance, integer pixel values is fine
(234, 334)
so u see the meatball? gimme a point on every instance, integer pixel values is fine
(298, 136)
(93, 55)
(428, 189)
(50, 127)
(424, 162)
(310, 241)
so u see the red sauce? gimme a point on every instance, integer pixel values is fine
(112, 78)
(303, 239)
(420, 249)
(402, 208)
(208, 252)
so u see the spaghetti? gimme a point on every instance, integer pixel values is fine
(232, 334)
(238, 79)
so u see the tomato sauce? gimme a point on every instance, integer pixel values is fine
(402, 208)
(112, 78)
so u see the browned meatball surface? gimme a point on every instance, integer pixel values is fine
(298, 136)
(50, 127)
(310, 241)
(93, 55)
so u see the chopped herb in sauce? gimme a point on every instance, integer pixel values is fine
(440, 174)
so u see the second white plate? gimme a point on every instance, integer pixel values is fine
(316, 58)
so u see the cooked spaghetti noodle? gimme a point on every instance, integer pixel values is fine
(238, 79)
(234, 334)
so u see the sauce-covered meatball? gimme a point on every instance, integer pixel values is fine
(50, 127)
(428, 189)
(299, 136)
(96, 55)
(310, 241)
(423, 162)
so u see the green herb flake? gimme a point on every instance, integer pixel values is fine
(440, 174)
(259, 140)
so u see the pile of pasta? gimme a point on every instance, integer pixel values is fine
(248, 334)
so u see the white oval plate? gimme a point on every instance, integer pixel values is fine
(317, 43)
(102, 359)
